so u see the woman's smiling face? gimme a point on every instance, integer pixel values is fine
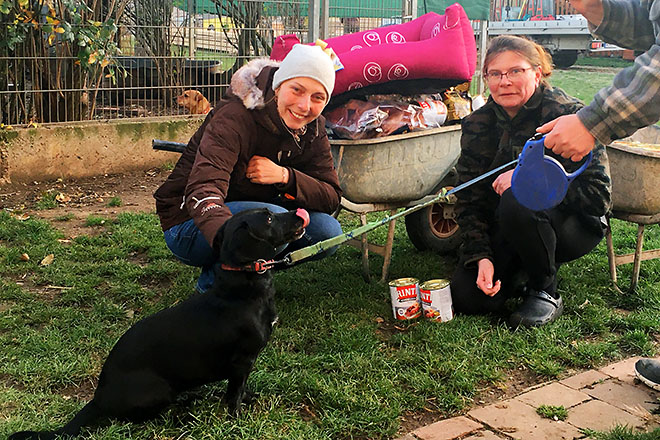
(300, 101)
(512, 93)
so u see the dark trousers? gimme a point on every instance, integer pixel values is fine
(527, 245)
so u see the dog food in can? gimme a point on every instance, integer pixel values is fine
(436, 300)
(405, 298)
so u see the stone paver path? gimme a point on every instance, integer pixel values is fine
(595, 399)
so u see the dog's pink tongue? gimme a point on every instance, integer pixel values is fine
(303, 215)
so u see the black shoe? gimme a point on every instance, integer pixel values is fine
(537, 309)
(648, 371)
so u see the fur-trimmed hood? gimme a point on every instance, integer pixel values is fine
(245, 86)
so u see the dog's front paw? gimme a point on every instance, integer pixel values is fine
(234, 409)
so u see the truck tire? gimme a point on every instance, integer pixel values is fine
(564, 58)
(432, 229)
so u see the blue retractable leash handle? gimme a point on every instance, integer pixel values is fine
(540, 182)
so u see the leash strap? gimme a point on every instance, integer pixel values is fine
(321, 246)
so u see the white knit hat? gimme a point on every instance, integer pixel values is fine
(307, 61)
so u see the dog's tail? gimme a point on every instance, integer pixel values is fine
(86, 416)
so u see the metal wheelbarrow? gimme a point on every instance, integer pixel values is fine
(635, 171)
(393, 172)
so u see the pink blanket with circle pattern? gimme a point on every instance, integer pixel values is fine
(431, 46)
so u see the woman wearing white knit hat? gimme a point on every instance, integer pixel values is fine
(263, 145)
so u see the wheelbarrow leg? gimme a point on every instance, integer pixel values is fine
(365, 250)
(388, 248)
(638, 257)
(611, 257)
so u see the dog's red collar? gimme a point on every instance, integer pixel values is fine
(259, 266)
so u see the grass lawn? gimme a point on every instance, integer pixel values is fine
(337, 366)
(573, 82)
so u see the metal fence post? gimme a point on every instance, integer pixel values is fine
(483, 43)
(191, 29)
(325, 18)
(314, 20)
(408, 10)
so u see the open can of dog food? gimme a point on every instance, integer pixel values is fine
(436, 300)
(405, 298)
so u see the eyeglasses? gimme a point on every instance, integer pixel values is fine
(513, 74)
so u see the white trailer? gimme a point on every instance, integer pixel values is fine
(564, 37)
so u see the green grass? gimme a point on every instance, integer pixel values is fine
(624, 433)
(573, 82)
(47, 200)
(602, 62)
(115, 202)
(337, 366)
(552, 412)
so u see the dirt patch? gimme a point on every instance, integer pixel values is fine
(68, 204)
(83, 391)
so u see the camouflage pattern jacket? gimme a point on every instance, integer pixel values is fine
(491, 138)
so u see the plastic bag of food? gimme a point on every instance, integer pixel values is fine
(369, 119)
(457, 106)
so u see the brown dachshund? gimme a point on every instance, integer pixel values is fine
(194, 101)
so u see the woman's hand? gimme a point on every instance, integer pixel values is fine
(264, 171)
(503, 182)
(485, 278)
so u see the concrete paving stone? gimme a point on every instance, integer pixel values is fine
(554, 394)
(447, 429)
(601, 416)
(520, 421)
(584, 379)
(485, 435)
(627, 397)
(623, 370)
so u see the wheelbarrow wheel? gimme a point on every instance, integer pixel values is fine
(433, 229)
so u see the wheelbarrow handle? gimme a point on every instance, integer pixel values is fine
(176, 147)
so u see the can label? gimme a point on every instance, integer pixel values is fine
(436, 300)
(405, 298)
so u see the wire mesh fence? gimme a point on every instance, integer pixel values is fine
(74, 60)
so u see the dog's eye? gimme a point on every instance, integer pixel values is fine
(269, 220)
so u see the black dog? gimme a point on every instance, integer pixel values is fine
(209, 337)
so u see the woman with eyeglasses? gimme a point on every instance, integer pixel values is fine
(508, 250)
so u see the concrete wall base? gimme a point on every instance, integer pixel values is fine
(88, 148)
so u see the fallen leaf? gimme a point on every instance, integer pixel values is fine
(20, 217)
(24, 257)
(62, 198)
(48, 259)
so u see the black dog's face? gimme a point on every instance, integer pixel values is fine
(258, 233)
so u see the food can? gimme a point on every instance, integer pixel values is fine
(436, 300)
(405, 298)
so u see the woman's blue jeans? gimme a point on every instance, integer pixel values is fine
(188, 244)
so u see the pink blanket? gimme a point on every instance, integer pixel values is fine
(431, 46)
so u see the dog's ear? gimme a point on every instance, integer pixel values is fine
(198, 96)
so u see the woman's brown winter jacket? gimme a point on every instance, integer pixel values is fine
(245, 123)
